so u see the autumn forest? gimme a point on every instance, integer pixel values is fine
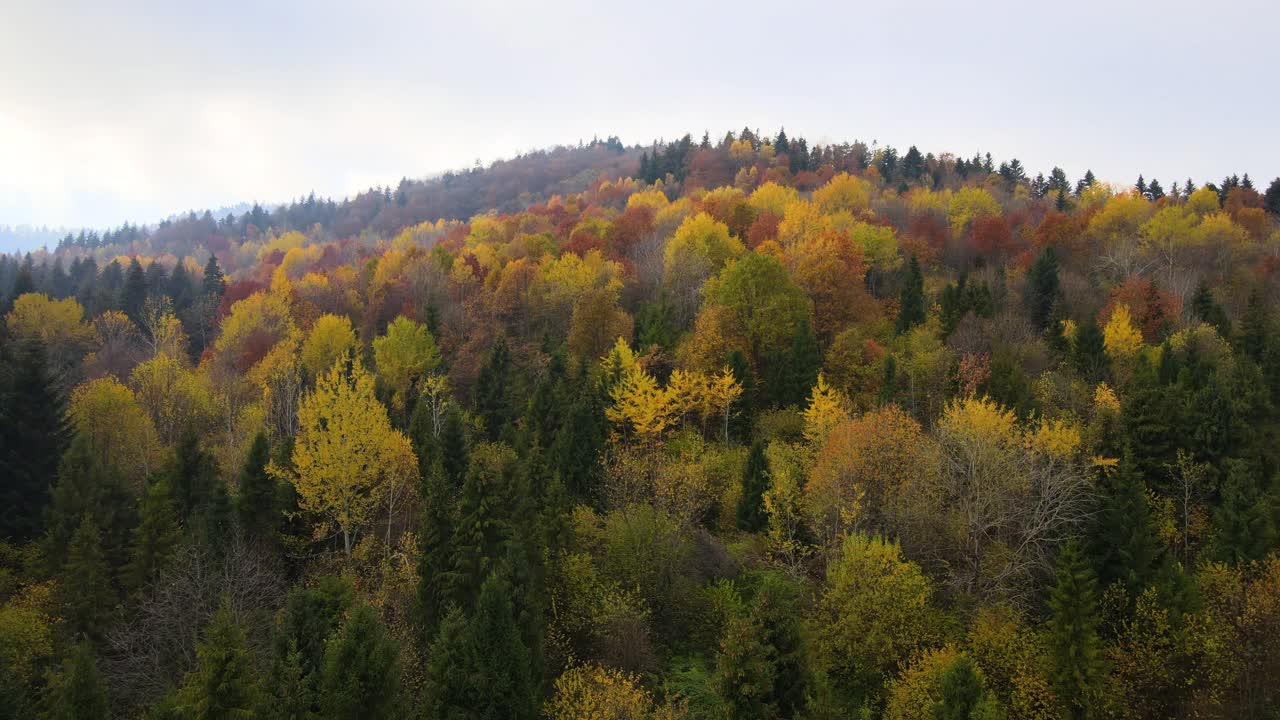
(744, 427)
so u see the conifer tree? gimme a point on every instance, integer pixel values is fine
(77, 693)
(1245, 519)
(755, 482)
(911, 309)
(493, 391)
(1271, 199)
(484, 524)
(1076, 652)
(361, 670)
(310, 616)
(1042, 289)
(740, 423)
(133, 296)
(744, 673)
(1209, 311)
(574, 453)
(257, 497)
(214, 283)
(435, 550)
(192, 474)
(222, 686)
(85, 593)
(32, 438)
(290, 695)
(155, 537)
(1123, 539)
(964, 696)
(1089, 351)
(454, 453)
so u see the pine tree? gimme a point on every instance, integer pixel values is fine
(290, 695)
(479, 541)
(85, 594)
(755, 482)
(155, 537)
(310, 616)
(744, 673)
(32, 438)
(911, 310)
(1088, 351)
(574, 455)
(454, 454)
(192, 474)
(77, 692)
(85, 487)
(222, 686)
(1042, 288)
(1255, 329)
(740, 423)
(496, 663)
(133, 297)
(1152, 419)
(1209, 311)
(964, 696)
(435, 550)
(361, 671)
(257, 497)
(1245, 519)
(1076, 652)
(1271, 199)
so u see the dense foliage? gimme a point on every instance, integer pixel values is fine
(743, 428)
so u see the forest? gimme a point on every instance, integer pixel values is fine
(723, 429)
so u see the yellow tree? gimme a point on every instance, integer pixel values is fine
(404, 354)
(638, 402)
(843, 193)
(722, 391)
(595, 692)
(108, 414)
(827, 408)
(1120, 338)
(58, 324)
(345, 454)
(330, 338)
(174, 396)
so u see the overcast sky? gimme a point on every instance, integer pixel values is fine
(133, 111)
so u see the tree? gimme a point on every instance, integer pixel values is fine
(257, 498)
(485, 511)
(911, 309)
(1089, 351)
(493, 391)
(76, 693)
(1123, 540)
(755, 483)
(1271, 200)
(744, 671)
(214, 283)
(1245, 519)
(32, 437)
(85, 591)
(435, 550)
(597, 692)
(404, 354)
(343, 455)
(330, 339)
(1078, 664)
(964, 696)
(133, 296)
(873, 614)
(222, 686)
(361, 670)
(1042, 288)
(155, 537)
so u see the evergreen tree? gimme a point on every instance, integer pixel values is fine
(192, 473)
(222, 686)
(1209, 311)
(310, 616)
(361, 671)
(1042, 289)
(480, 670)
(1078, 665)
(85, 595)
(257, 498)
(912, 165)
(964, 696)
(911, 309)
(133, 297)
(1123, 541)
(155, 537)
(493, 391)
(1255, 329)
(479, 542)
(1152, 419)
(574, 455)
(1245, 520)
(77, 693)
(744, 671)
(740, 422)
(214, 283)
(755, 481)
(1271, 199)
(435, 550)
(656, 323)
(454, 454)
(32, 438)
(290, 695)
(792, 372)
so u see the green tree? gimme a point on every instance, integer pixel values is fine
(133, 296)
(493, 391)
(1244, 523)
(1088, 351)
(310, 616)
(214, 283)
(77, 693)
(222, 685)
(435, 550)
(361, 670)
(257, 497)
(1042, 288)
(744, 673)
(32, 437)
(911, 307)
(85, 591)
(192, 474)
(484, 520)
(1123, 539)
(1078, 664)
(155, 537)
(290, 694)
(964, 695)
(752, 516)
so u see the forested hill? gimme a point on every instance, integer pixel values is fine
(744, 427)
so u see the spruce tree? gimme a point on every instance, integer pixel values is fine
(133, 296)
(740, 423)
(435, 550)
(498, 684)
(32, 438)
(222, 686)
(574, 454)
(214, 283)
(1244, 523)
(1209, 311)
(155, 537)
(77, 693)
(744, 673)
(1123, 541)
(454, 453)
(192, 473)
(483, 528)
(964, 696)
(84, 486)
(1271, 199)
(310, 616)
(911, 309)
(755, 482)
(361, 671)
(1075, 650)
(1042, 289)
(493, 391)
(85, 593)
(257, 498)
(290, 695)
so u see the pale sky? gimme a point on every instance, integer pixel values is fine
(134, 111)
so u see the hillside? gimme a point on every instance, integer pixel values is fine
(744, 427)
